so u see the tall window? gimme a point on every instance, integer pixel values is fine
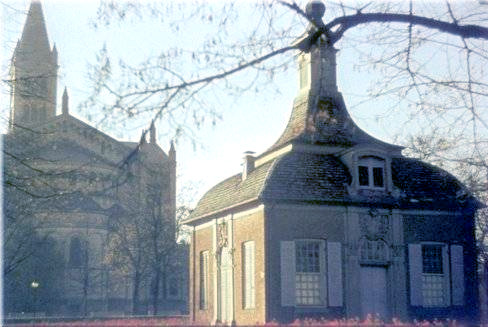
(76, 254)
(309, 278)
(203, 280)
(432, 275)
(249, 293)
(173, 286)
(436, 274)
(371, 172)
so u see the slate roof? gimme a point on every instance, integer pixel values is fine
(323, 120)
(424, 185)
(299, 177)
(233, 191)
(309, 177)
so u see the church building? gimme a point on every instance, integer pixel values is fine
(330, 222)
(86, 191)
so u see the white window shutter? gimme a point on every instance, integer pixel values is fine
(447, 278)
(288, 266)
(323, 280)
(415, 269)
(457, 274)
(334, 274)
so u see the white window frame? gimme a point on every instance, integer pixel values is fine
(371, 162)
(307, 279)
(248, 275)
(451, 279)
(432, 281)
(203, 298)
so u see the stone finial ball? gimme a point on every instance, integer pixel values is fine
(315, 9)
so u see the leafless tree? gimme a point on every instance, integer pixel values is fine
(427, 62)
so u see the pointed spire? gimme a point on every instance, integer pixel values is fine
(34, 40)
(143, 139)
(35, 64)
(152, 133)
(172, 152)
(319, 114)
(65, 105)
(54, 54)
(318, 61)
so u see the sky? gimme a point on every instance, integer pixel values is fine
(249, 123)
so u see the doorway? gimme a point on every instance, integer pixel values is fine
(374, 299)
(226, 294)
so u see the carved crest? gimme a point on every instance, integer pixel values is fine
(222, 235)
(374, 225)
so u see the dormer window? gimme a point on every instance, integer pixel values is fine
(371, 172)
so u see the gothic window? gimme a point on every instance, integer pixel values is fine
(173, 286)
(76, 255)
(371, 172)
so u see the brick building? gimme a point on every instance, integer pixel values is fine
(332, 222)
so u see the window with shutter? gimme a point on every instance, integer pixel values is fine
(433, 275)
(248, 275)
(304, 279)
(203, 280)
(309, 272)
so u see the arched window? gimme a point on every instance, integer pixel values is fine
(371, 172)
(76, 252)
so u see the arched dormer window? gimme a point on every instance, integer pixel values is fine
(371, 172)
(76, 252)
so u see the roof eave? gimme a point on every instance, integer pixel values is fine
(212, 214)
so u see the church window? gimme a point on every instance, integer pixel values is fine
(371, 172)
(203, 280)
(173, 285)
(248, 275)
(76, 255)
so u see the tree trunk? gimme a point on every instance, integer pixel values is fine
(135, 292)
(155, 290)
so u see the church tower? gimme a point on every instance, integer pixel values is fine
(33, 73)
